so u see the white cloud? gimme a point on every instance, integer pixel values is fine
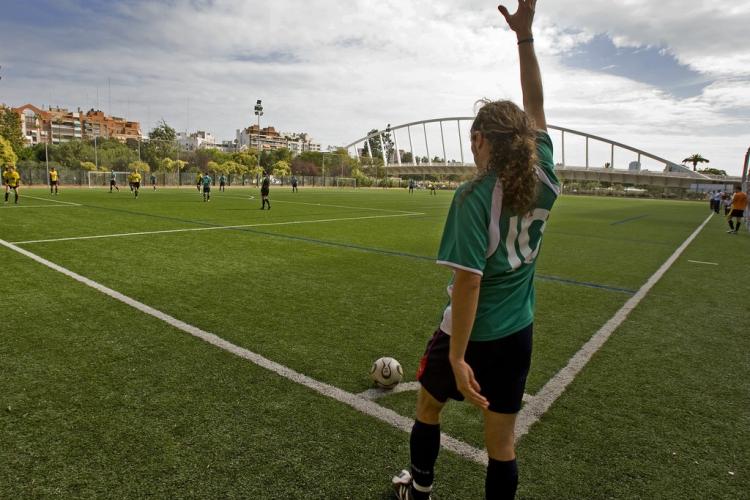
(337, 69)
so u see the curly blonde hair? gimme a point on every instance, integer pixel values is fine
(512, 137)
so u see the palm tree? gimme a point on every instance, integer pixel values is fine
(695, 160)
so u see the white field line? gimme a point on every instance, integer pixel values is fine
(52, 200)
(211, 228)
(360, 404)
(337, 206)
(554, 388)
(36, 206)
(701, 262)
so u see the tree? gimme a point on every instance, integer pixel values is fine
(141, 166)
(88, 165)
(211, 166)
(407, 157)
(281, 169)
(301, 166)
(247, 158)
(695, 160)
(713, 171)
(162, 143)
(10, 129)
(7, 155)
(375, 146)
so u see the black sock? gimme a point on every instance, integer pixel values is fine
(424, 444)
(737, 225)
(502, 480)
(731, 224)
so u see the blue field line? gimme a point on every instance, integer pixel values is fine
(629, 219)
(586, 284)
(351, 246)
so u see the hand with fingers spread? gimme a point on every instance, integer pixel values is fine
(522, 19)
(467, 384)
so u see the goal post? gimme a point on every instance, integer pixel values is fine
(346, 182)
(101, 179)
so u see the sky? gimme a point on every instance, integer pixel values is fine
(671, 78)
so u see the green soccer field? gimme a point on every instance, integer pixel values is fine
(100, 399)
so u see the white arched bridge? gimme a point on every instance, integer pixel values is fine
(417, 147)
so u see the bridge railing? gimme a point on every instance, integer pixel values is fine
(448, 123)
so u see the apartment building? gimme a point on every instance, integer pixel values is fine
(268, 138)
(197, 140)
(57, 125)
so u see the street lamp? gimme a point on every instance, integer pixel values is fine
(258, 113)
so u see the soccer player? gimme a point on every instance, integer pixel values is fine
(113, 182)
(206, 182)
(482, 350)
(738, 204)
(135, 182)
(432, 189)
(264, 188)
(199, 181)
(294, 185)
(222, 182)
(153, 180)
(12, 181)
(53, 181)
(411, 186)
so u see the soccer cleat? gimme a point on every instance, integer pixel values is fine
(402, 485)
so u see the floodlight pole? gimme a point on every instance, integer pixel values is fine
(258, 113)
(745, 170)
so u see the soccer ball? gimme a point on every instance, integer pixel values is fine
(386, 373)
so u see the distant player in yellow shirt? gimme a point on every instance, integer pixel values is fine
(199, 181)
(135, 182)
(11, 180)
(54, 180)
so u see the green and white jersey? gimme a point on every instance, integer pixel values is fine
(483, 237)
(207, 180)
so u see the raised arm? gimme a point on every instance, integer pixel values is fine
(531, 77)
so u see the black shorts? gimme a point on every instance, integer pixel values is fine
(112, 182)
(500, 367)
(136, 185)
(264, 192)
(222, 184)
(53, 183)
(206, 189)
(737, 213)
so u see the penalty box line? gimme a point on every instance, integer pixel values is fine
(211, 228)
(359, 403)
(554, 388)
(67, 203)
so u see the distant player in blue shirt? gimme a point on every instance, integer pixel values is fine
(206, 181)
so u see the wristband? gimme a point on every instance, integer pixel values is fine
(526, 40)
